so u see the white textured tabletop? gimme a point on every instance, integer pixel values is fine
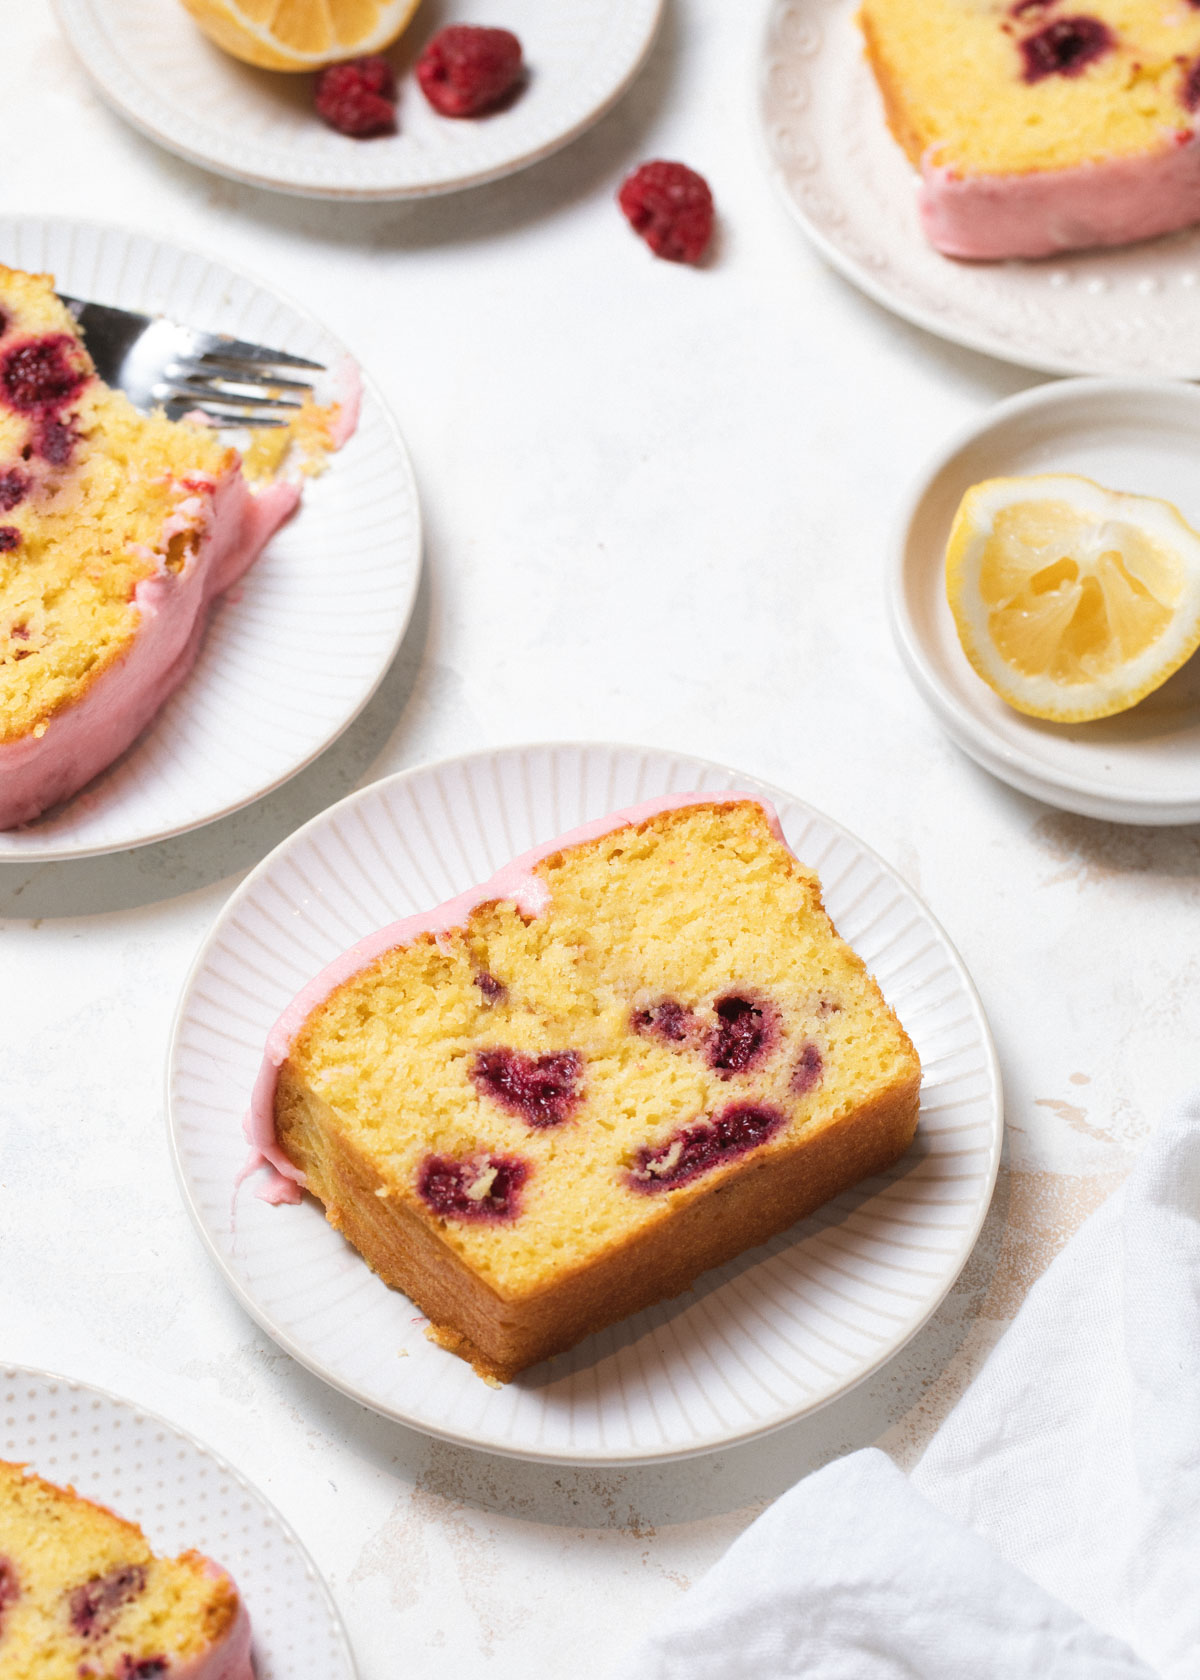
(657, 504)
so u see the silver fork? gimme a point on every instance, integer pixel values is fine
(160, 364)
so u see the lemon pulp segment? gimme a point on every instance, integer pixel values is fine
(1072, 601)
(300, 34)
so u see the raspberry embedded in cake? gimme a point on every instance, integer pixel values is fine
(1189, 91)
(467, 71)
(14, 487)
(668, 1020)
(810, 1065)
(543, 1090)
(1065, 47)
(709, 1143)
(42, 373)
(483, 1188)
(746, 1031)
(10, 538)
(95, 1605)
(10, 1586)
(491, 989)
(54, 440)
(142, 1668)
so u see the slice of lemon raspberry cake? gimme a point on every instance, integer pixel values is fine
(82, 1596)
(631, 1055)
(117, 531)
(1043, 125)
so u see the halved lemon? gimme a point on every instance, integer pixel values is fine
(301, 34)
(1072, 601)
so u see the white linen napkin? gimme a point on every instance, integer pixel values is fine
(1052, 1529)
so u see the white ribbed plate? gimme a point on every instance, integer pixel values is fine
(155, 66)
(182, 1495)
(1132, 310)
(294, 653)
(763, 1340)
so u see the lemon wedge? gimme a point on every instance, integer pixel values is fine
(300, 34)
(1072, 601)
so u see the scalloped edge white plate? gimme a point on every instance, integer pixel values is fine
(1142, 766)
(154, 1473)
(152, 63)
(1127, 311)
(768, 1338)
(264, 698)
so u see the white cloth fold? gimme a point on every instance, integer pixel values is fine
(1052, 1528)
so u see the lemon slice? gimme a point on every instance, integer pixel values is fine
(300, 34)
(1072, 601)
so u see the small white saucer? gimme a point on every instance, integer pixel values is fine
(1142, 766)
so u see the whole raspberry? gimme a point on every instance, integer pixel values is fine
(358, 98)
(465, 71)
(671, 207)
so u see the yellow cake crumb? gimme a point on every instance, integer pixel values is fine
(952, 76)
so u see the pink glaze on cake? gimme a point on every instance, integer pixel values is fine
(80, 741)
(229, 1660)
(1047, 211)
(515, 881)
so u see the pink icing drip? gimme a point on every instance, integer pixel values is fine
(228, 1660)
(1045, 211)
(515, 881)
(38, 772)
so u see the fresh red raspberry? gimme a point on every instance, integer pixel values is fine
(465, 71)
(671, 207)
(358, 98)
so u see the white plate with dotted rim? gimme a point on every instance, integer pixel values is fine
(761, 1341)
(1142, 766)
(182, 1495)
(155, 66)
(350, 559)
(1127, 311)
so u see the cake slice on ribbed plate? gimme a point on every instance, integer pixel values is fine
(634, 1053)
(118, 530)
(83, 1597)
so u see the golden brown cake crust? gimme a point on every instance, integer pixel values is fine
(759, 1197)
(56, 1541)
(504, 1317)
(896, 108)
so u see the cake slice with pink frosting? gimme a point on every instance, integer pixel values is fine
(83, 1597)
(636, 1052)
(1041, 126)
(118, 531)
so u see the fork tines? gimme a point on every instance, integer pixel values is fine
(234, 383)
(158, 362)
